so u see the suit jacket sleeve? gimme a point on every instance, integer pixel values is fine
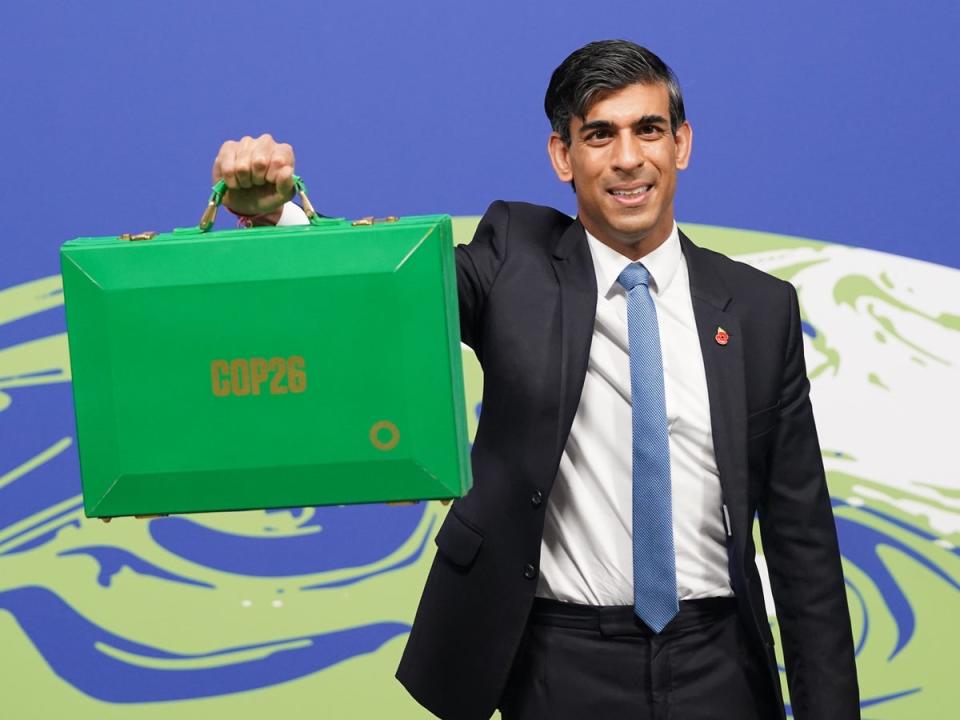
(803, 557)
(478, 265)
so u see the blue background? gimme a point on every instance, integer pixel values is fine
(828, 120)
(834, 121)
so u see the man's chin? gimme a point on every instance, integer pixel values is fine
(631, 233)
(624, 226)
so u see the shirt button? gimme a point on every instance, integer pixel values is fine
(529, 571)
(537, 498)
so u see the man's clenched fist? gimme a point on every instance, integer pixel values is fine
(258, 173)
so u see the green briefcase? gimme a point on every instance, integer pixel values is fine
(267, 367)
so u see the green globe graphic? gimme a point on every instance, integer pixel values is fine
(254, 614)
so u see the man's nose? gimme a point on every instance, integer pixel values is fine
(628, 153)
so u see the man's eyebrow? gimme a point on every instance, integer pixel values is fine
(651, 120)
(607, 125)
(596, 125)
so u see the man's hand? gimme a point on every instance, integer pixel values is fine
(258, 173)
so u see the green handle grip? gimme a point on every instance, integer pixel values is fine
(220, 189)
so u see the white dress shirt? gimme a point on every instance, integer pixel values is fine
(587, 550)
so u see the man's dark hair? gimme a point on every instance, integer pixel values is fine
(601, 68)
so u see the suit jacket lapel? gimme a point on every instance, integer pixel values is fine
(573, 265)
(725, 381)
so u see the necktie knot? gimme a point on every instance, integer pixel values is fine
(634, 274)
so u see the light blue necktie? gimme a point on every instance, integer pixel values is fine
(654, 561)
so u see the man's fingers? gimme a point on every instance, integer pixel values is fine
(258, 169)
(261, 152)
(258, 173)
(225, 165)
(242, 162)
(216, 172)
(280, 159)
(284, 182)
(276, 164)
(226, 152)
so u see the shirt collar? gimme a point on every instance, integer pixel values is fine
(662, 263)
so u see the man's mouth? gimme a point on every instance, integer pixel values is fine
(633, 192)
(631, 196)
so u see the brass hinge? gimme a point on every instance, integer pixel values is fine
(106, 520)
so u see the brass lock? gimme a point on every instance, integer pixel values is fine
(133, 237)
(371, 220)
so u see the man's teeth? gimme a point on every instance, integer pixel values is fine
(632, 193)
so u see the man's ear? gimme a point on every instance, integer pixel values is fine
(683, 139)
(559, 153)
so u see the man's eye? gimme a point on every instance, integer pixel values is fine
(598, 135)
(650, 131)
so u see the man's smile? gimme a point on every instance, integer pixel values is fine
(631, 195)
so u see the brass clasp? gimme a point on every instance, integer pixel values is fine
(371, 220)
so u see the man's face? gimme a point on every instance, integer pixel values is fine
(623, 160)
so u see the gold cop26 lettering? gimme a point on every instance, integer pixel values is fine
(257, 376)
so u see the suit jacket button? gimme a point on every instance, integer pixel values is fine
(529, 571)
(537, 498)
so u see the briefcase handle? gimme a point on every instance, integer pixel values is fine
(220, 189)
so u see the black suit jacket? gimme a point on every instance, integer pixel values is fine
(528, 295)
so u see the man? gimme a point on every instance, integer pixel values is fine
(644, 400)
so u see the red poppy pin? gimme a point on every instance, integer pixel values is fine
(721, 337)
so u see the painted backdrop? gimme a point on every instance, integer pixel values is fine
(825, 153)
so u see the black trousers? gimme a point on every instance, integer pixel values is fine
(579, 662)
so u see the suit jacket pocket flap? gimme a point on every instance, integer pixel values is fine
(457, 541)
